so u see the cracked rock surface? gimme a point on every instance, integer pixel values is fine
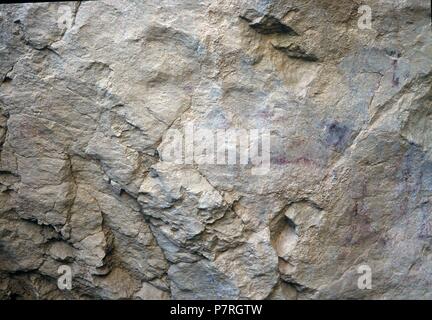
(85, 108)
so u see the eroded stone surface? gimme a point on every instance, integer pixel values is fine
(85, 108)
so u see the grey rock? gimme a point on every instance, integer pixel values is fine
(86, 107)
(200, 280)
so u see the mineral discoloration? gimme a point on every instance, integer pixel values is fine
(85, 108)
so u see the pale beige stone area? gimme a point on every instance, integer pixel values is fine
(85, 111)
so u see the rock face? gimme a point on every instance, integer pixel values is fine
(89, 92)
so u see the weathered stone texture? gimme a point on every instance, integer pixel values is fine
(84, 112)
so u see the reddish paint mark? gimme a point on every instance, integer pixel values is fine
(300, 161)
(265, 114)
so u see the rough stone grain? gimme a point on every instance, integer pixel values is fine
(85, 111)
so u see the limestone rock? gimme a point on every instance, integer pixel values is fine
(87, 108)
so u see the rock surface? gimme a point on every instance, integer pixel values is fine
(85, 107)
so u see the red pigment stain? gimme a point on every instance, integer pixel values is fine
(300, 161)
(265, 114)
